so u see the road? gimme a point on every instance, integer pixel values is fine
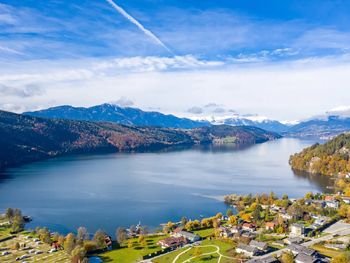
(339, 228)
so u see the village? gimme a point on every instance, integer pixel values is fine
(254, 229)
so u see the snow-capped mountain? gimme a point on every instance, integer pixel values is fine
(247, 120)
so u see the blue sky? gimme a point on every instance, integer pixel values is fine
(243, 55)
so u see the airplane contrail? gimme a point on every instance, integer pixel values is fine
(139, 25)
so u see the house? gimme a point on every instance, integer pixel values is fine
(249, 227)
(270, 225)
(225, 232)
(108, 241)
(262, 246)
(332, 204)
(286, 216)
(172, 242)
(268, 259)
(188, 235)
(328, 198)
(299, 249)
(246, 250)
(236, 229)
(293, 240)
(346, 199)
(248, 234)
(303, 258)
(297, 230)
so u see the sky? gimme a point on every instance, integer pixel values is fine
(286, 60)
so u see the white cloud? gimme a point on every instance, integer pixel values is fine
(288, 90)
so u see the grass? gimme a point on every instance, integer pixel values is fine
(204, 233)
(134, 254)
(326, 251)
(226, 249)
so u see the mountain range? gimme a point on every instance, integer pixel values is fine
(26, 138)
(121, 115)
(324, 126)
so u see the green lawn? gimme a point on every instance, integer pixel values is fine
(226, 249)
(134, 254)
(326, 251)
(204, 233)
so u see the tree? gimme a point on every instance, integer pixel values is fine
(309, 195)
(16, 246)
(256, 213)
(141, 238)
(60, 240)
(17, 223)
(232, 220)
(9, 214)
(78, 254)
(183, 221)
(130, 243)
(287, 257)
(44, 235)
(121, 235)
(90, 245)
(82, 234)
(229, 212)
(69, 243)
(99, 238)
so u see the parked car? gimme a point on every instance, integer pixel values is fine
(6, 253)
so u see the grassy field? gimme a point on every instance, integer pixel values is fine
(204, 233)
(326, 251)
(134, 254)
(22, 238)
(207, 246)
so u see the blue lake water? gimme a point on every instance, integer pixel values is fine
(112, 190)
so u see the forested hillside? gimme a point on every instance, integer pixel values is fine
(331, 158)
(25, 138)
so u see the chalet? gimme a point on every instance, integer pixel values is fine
(262, 246)
(188, 235)
(249, 227)
(303, 258)
(172, 242)
(332, 204)
(297, 230)
(293, 240)
(246, 250)
(270, 225)
(299, 249)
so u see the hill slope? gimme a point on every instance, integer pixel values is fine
(25, 138)
(330, 158)
(117, 114)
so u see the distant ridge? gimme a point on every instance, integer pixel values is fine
(121, 115)
(26, 138)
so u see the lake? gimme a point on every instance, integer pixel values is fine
(112, 190)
